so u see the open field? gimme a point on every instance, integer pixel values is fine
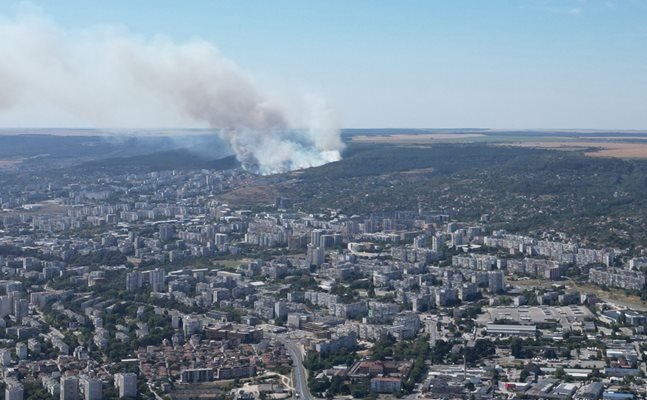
(265, 194)
(628, 137)
(616, 296)
(414, 138)
(629, 145)
(9, 163)
(48, 207)
(233, 263)
(597, 149)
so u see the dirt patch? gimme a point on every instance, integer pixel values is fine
(418, 171)
(251, 195)
(9, 163)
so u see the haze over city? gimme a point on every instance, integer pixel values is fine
(323, 200)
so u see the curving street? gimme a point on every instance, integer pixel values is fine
(300, 382)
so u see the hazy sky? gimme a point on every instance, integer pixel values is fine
(405, 63)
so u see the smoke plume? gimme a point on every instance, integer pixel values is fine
(105, 77)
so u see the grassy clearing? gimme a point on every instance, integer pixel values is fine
(613, 295)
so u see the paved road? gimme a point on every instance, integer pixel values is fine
(300, 380)
(150, 387)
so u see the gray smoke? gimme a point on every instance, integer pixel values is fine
(104, 77)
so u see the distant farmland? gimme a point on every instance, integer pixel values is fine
(626, 145)
(627, 150)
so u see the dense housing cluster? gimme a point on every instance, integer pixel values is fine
(155, 285)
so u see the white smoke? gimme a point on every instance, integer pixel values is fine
(104, 77)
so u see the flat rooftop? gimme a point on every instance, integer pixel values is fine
(536, 315)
